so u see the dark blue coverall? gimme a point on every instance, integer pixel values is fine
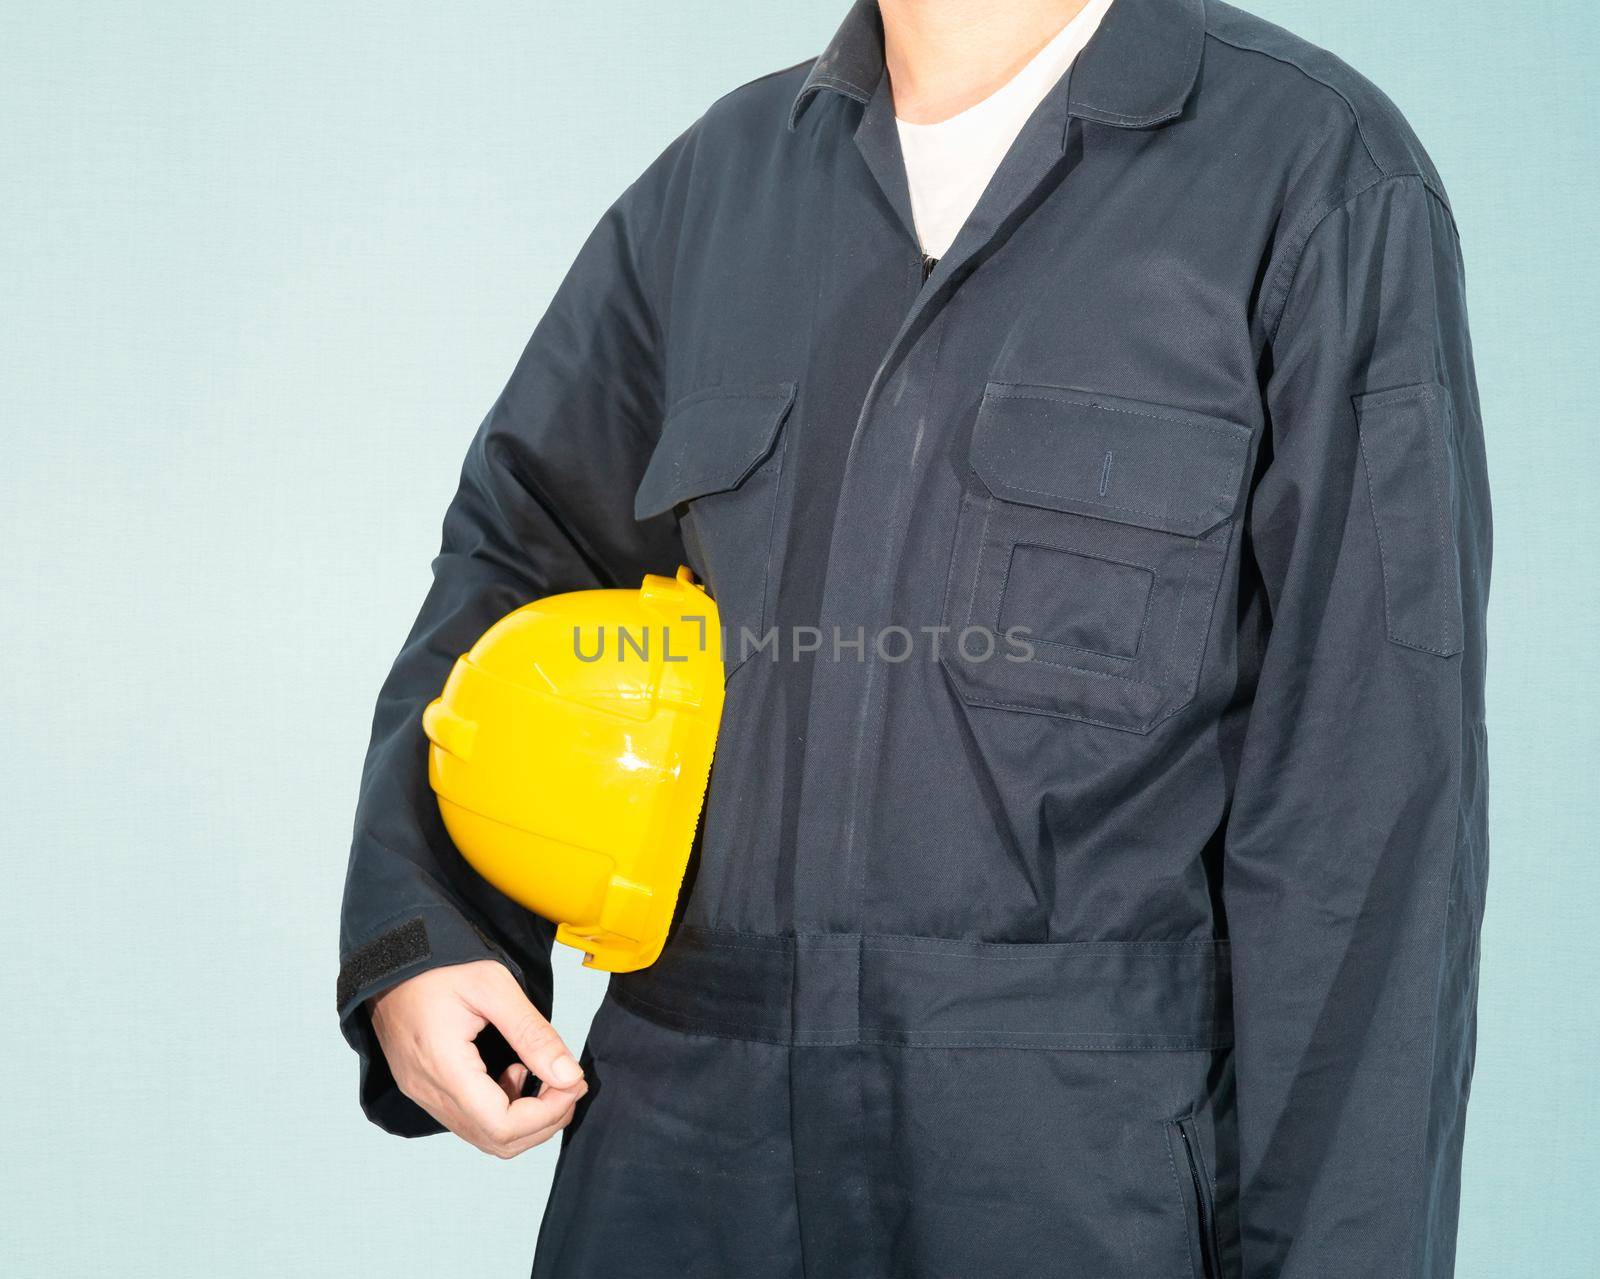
(1152, 956)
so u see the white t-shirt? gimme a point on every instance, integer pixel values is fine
(948, 164)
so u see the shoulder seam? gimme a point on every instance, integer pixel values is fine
(1277, 297)
(1334, 89)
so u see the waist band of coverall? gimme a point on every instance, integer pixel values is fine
(832, 989)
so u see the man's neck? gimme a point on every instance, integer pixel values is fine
(946, 55)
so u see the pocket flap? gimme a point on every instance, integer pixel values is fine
(1405, 450)
(1114, 459)
(710, 443)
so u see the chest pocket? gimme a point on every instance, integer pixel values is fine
(1090, 545)
(717, 466)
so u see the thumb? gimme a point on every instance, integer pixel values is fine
(501, 1002)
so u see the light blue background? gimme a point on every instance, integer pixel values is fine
(264, 268)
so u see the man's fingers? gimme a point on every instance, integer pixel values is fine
(501, 1001)
(427, 1026)
(524, 1124)
(562, 1103)
(513, 1079)
(536, 1139)
(491, 1120)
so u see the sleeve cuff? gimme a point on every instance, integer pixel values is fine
(432, 937)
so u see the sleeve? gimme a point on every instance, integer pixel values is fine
(544, 505)
(1355, 850)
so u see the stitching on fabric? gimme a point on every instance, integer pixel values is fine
(1114, 952)
(744, 939)
(1428, 183)
(1161, 714)
(1339, 93)
(860, 996)
(1088, 111)
(872, 730)
(848, 87)
(1103, 115)
(680, 473)
(1213, 945)
(1085, 399)
(1094, 674)
(1041, 1039)
(1183, 599)
(963, 515)
(778, 946)
(1377, 526)
(1399, 395)
(1224, 467)
(1189, 672)
(1438, 451)
(994, 703)
(983, 546)
(1369, 400)
(1083, 670)
(1066, 395)
(632, 996)
(1144, 621)
(1110, 506)
(399, 917)
(1275, 300)
(776, 451)
(684, 1024)
(731, 391)
(785, 430)
(1193, 672)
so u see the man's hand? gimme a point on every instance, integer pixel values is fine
(427, 1026)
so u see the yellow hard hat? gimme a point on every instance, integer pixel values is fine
(570, 753)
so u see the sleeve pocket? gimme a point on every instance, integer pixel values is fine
(1406, 453)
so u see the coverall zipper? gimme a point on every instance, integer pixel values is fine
(1201, 1212)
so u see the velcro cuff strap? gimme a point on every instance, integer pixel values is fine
(384, 955)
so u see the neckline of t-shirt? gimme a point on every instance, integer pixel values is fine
(1026, 79)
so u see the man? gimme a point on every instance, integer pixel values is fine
(1147, 951)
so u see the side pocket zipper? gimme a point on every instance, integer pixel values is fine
(1199, 1185)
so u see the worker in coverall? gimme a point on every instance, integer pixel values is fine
(1151, 955)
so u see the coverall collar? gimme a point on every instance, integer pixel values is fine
(1136, 71)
